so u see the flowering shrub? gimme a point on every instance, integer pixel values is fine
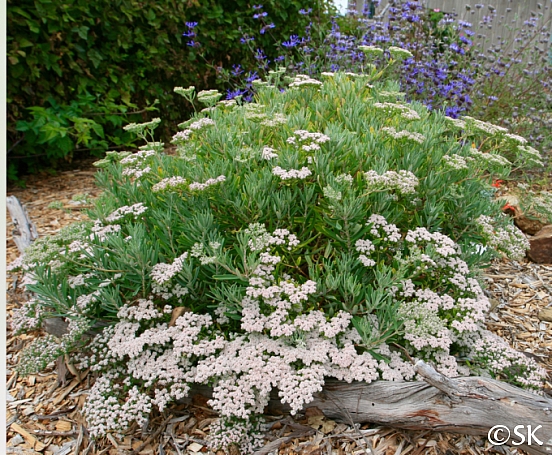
(443, 63)
(327, 230)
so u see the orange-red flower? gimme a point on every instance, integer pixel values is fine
(507, 206)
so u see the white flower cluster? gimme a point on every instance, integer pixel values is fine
(143, 310)
(183, 136)
(43, 351)
(139, 128)
(279, 335)
(135, 165)
(198, 251)
(100, 232)
(133, 210)
(78, 245)
(186, 92)
(380, 228)
(197, 186)
(223, 434)
(255, 112)
(391, 94)
(209, 97)
(371, 51)
(302, 80)
(484, 127)
(514, 138)
(488, 158)
(302, 173)
(398, 53)
(502, 360)
(26, 317)
(309, 141)
(169, 184)
(509, 239)
(169, 291)
(416, 137)
(276, 120)
(443, 245)
(456, 123)
(455, 162)
(332, 193)
(105, 414)
(365, 247)
(344, 178)
(268, 153)
(404, 111)
(404, 182)
(85, 302)
(529, 155)
(260, 239)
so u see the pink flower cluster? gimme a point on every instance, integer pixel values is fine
(161, 273)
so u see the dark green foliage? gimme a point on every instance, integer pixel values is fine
(77, 69)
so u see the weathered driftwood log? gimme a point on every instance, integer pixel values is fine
(24, 231)
(469, 405)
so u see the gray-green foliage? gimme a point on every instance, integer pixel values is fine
(335, 194)
(446, 199)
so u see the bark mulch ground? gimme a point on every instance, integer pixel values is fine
(44, 410)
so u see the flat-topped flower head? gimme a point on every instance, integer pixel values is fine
(302, 80)
(371, 51)
(139, 128)
(185, 92)
(398, 53)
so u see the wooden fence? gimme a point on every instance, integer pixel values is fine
(508, 18)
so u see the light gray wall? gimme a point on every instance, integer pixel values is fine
(504, 24)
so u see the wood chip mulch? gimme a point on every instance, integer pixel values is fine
(44, 413)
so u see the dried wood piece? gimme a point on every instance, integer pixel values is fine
(24, 232)
(471, 405)
(31, 440)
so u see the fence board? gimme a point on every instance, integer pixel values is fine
(509, 16)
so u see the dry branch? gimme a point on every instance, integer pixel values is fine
(469, 405)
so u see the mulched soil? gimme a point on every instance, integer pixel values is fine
(44, 413)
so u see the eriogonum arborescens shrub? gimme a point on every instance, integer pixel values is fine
(327, 230)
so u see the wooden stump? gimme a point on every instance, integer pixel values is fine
(24, 232)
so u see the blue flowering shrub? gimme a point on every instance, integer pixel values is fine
(329, 230)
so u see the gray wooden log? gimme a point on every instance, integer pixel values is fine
(59, 327)
(470, 405)
(24, 232)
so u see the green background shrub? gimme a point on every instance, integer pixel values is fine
(77, 69)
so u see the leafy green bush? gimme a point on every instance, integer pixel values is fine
(327, 230)
(75, 67)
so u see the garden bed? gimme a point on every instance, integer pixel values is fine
(46, 416)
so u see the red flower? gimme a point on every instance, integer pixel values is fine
(507, 206)
(496, 183)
